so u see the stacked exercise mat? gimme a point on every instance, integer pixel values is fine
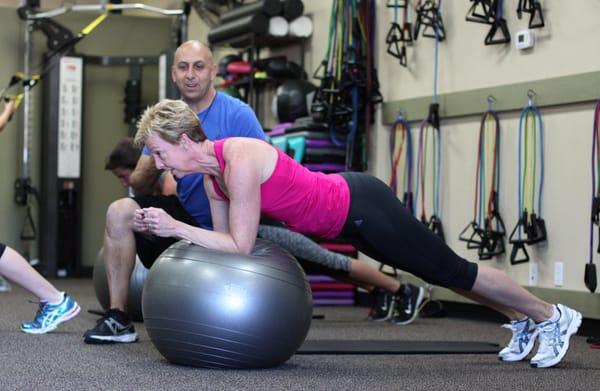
(264, 18)
(327, 291)
(310, 143)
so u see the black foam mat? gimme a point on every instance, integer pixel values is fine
(396, 347)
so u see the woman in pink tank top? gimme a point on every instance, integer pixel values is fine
(249, 176)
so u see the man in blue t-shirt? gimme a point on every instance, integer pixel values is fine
(221, 116)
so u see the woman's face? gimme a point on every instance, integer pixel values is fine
(175, 158)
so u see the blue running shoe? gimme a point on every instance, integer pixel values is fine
(49, 316)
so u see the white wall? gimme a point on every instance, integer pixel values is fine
(566, 45)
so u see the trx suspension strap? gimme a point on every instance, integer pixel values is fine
(429, 129)
(17, 80)
(530, 228)
(401, 154)
(590, 267)
(486, 232)
(399, 36)
(59, 40)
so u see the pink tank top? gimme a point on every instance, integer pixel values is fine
(309, 202)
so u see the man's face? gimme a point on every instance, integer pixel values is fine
(122, 175)
(193, 71)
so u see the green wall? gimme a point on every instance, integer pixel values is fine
(103, 125)
(12, 217)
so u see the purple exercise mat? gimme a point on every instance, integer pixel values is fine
(319, 278)
(333, 295)
(279, 129)
(323, 143)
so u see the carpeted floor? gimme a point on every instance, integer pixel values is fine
(61, 361)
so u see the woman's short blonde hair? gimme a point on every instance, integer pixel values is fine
(169, 119)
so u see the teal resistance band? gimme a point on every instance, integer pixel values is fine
(531, 227)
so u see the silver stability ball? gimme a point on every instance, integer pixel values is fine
(212, 309)
(136, 285)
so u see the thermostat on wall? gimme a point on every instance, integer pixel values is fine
(524, 39)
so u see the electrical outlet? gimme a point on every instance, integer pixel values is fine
(533, 273)
(558, 273)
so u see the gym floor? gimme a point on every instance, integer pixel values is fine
(61, 360)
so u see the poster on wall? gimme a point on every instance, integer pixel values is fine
(69, 117)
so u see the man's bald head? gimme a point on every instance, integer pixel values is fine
(196, 47)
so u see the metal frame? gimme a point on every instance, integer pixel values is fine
(104, 8)
(51, 184)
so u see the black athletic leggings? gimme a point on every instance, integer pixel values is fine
(2, 249)
(381, 227)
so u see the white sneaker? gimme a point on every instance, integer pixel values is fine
(522, 341)
(554, 337)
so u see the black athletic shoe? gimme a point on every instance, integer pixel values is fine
(408, 299)
(383, 305)
(114, 326)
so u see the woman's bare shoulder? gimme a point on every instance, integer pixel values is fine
(245, 147)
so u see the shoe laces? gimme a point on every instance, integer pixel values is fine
(550, 337)
(39, 314)
(520, 331)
